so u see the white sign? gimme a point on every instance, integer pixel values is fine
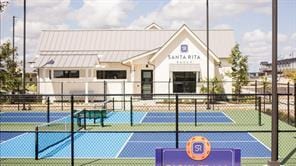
(184, 56)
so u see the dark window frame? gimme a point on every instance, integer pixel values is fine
(111, 74)
(187, 84)
(66, 74)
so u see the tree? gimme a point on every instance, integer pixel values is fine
(215, 88)
(239, 66)
(9, 73)
(3, 4)
(290, 74)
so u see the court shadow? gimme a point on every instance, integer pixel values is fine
(54, 151)
(286, 159)
(91, 162)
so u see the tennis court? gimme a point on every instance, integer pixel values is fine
(126, 145)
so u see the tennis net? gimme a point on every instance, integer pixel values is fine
(51, 134)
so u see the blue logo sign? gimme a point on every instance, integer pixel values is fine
(184, 48)
(198, 148)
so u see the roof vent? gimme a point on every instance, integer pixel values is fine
(153, 26)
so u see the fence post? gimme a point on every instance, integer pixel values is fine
(259, 111)
(131, 111)
(48, 110)
(256, 104)
(213, 95)
(177, 121)
(18, 98)
(62, 91)
(124, 95)
(169, 92)
(295, 103)
(113, 102)
(84, 118)
(264, 93)
(36, 143)
(105, 90)
(195, 112)
(288, 101)
(72, 130)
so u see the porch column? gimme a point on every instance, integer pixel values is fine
(134, 85)
(86, 86)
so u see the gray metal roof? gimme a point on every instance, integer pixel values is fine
(119, 45)
(66, 61)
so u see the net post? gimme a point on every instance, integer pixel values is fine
(102, 117)
(72, 130)
(113, 102)
(195, 112)
(256, 104)
(48, 109)
(288, 101)
(131, 111)
(36, 142)
(259, 111)
(177, 121)
(84, 119)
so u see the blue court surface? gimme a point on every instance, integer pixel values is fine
(121, 117)
(29, 117)
(187, 117)
(126, 145)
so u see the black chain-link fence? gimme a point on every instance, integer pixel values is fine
(125, 129)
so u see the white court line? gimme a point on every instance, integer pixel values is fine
(45, 124)
(14, 138)
(123, 146)
(143, 117)
(229, 117)
(259, 141)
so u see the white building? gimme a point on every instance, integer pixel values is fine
(152, 60)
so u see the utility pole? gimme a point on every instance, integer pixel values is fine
(208, 60)
(13, 37)
(274, 134)
(24, 58)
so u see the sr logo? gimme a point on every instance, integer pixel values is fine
(184, 48)
(198, 148)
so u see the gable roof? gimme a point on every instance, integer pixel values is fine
(120, 45)
(186, 29)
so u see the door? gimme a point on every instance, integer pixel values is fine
(147, 84)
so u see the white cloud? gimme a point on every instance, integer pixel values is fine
(222, 26)
(193, 13)
(94, 14)
(43, 14)
(257, 44)
(293, 37)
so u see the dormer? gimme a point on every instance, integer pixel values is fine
(153, 26)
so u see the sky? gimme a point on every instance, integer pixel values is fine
(251, 20)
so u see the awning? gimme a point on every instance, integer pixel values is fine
(184, 67)
(66, 61)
